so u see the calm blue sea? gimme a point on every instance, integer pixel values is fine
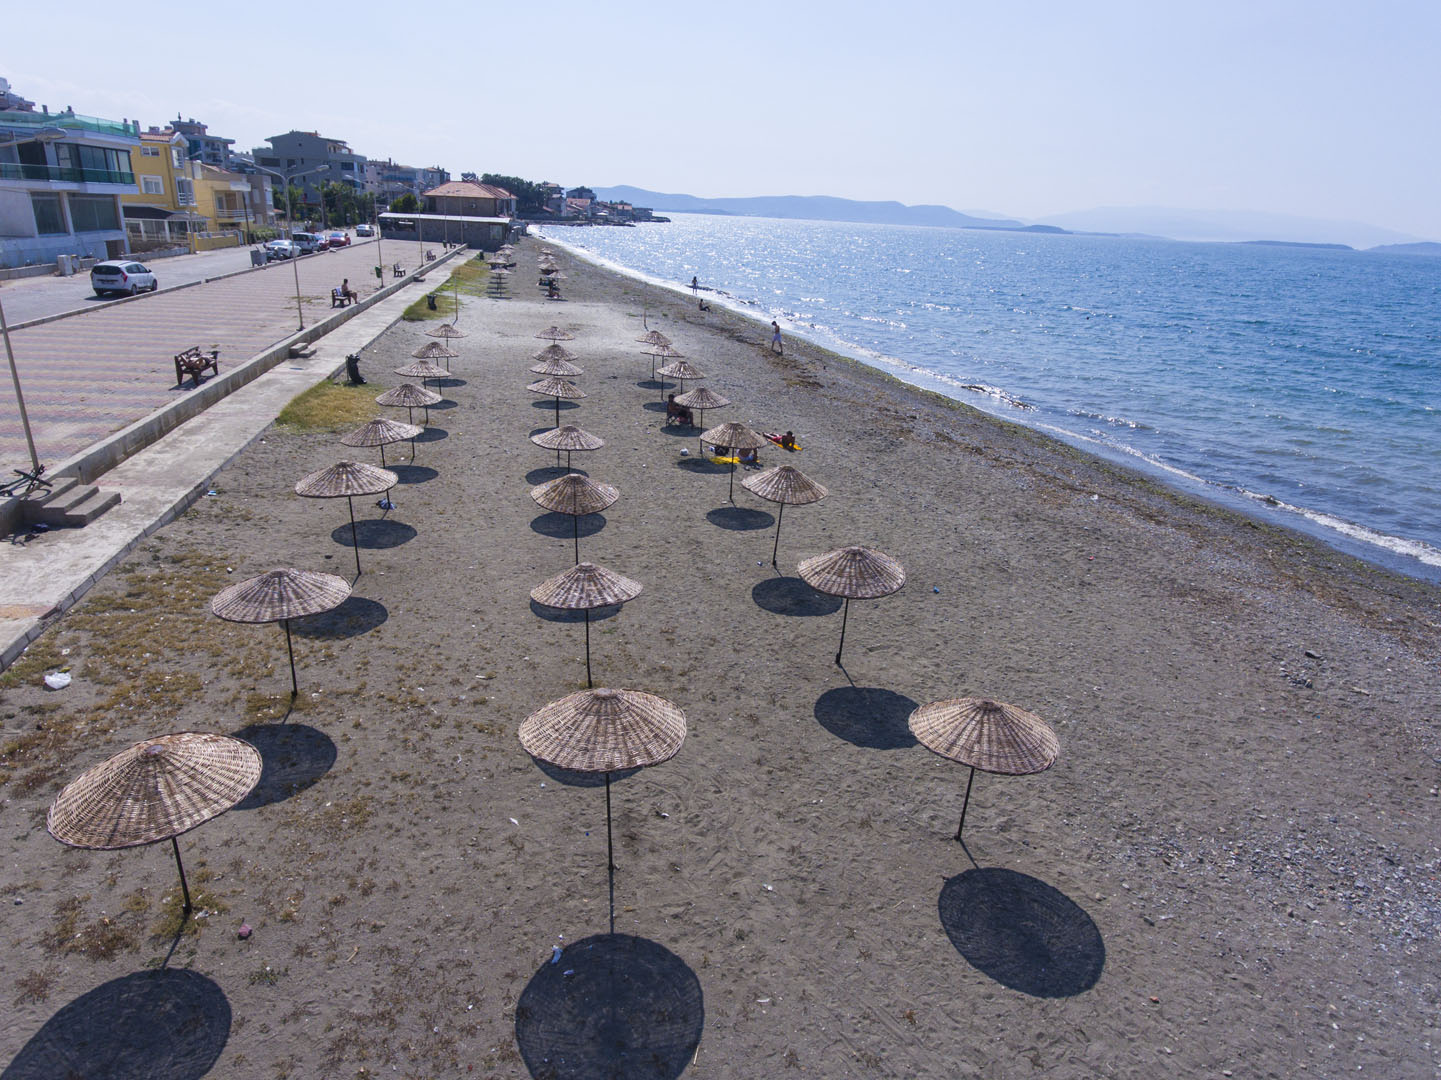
(1298, 383)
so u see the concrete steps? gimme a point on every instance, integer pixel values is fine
(69, 504)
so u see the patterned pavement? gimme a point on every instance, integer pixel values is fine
(91, 374)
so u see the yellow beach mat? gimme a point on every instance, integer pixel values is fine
(775, 438)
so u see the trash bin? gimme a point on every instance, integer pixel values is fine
(430, 301)
(257, 257)
(379, 272)
(65, 265)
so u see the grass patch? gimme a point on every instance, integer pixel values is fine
(328, 407)
(469, 277)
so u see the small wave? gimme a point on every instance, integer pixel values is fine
(1419, 550)
(1114, 421)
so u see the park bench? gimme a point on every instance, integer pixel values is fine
(338, 297)
(397, 270)
(193, 362)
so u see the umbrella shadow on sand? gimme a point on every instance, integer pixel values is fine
(565, 615)
(1021, 932)
(792, 596)
(356, 615)
(565, 526)
(536, 477)
(612, 1005)
(577, 778)
(413, 474)
(740, 519)
(169, 1022)
(375, 534)
(703, 465)
(548, 404)
(292, 758)
(867, 716)
(431, 434)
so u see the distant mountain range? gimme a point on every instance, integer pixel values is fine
(811, 208)
(1216, 226)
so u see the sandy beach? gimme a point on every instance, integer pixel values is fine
(1231, 870)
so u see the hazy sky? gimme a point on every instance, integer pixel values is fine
(1317, 108)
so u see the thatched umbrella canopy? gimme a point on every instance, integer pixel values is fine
(603, 731)
(577, 496)
(434, 350)
(409, 397)
(424, 370)
(654, 337)
(381, 432)
(348, 479)
(733, 437)
(557, 388)
(446, 330)
(555, 333)
(856, 573)
(785, 485)
(584, 587)
(561, 369)
(568, 438)
(700, 399)
(555, 351)
(155, 790)
(279, 596)
(680, 370)
(987, 735)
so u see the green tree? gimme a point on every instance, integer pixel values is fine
(405, 204)
(529, 196)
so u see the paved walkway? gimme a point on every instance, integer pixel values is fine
(91, 374)
(41, 580)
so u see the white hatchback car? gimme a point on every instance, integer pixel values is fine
(122, 276)
(281, 249)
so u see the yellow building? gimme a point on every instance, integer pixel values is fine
(164, 212)
(233, 201)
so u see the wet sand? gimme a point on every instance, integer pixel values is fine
(1230, 870)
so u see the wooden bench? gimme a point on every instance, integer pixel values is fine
(397, 270)
(193, 362)
(338, 298)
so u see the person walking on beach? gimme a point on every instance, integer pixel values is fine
(776, 346)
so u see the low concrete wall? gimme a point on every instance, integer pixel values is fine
(96, 460)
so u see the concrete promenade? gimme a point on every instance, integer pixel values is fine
(41, 579)
(90, 374)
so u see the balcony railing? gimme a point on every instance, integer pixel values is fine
(17, 121)
(9, 170)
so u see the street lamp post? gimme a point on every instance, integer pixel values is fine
(290, 221)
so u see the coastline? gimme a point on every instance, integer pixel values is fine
(1212, 897)
(1389, 544)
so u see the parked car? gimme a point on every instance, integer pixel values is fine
(307, 242)
(339, 239)
(280, 249)
(365, 230)
(122, 276)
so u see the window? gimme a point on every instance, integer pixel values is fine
(176, 157)
(93, 213)
(150, 151)
(185, 192)
(152, 185)
(48, 218)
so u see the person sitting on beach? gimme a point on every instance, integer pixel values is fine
(677, 413)
(748, 457)
(788, 440)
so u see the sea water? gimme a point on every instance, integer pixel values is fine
(1298, 383)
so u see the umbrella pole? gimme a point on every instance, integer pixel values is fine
(184, 888)
(575, 526)
(734, 453)
(845, 613)
(410, 414)
(777, 546)
(412, 451)
(294, 687)
(609, 853)
(588, 683)
(966, 803)
(354, 540)
(382, 455)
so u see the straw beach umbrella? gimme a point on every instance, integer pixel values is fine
(409, 397)
(585, 587)
(554, 351)
(155, 790)
(986, 735)
(382, 433)
(568, 438)
(562, 369)
(680, 370)
(700, 399)
(654, 337)
(733, 437)
(279, 596)
(577, 496)
(423, 370)
(605, 731)
(555, 333)
(446, 330)
(434, 350)
(784, 485)
(855, 573)
(348, 479)
(557, 388)
(661, 352)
